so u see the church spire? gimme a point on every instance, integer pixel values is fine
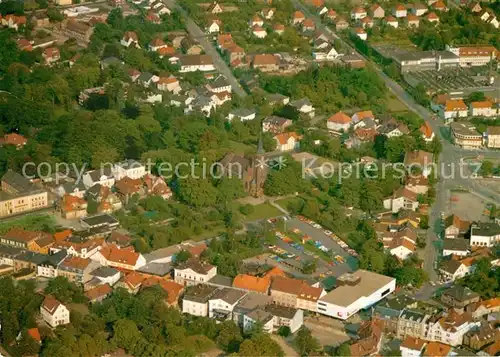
(260, 147)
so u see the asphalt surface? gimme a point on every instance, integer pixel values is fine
(451, 155)
(209, 48)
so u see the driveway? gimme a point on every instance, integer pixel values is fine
(197, 34)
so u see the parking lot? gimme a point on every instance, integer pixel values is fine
(304, 242)
(447, 79)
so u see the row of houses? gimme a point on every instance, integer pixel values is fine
(449, 109)
(465, 134)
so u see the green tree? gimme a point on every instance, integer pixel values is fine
(197, 192)
(182, 256)
(305, 342)
(343, 350)
(487, 168)
(229, 336)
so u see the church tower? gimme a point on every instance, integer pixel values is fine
(259, 170)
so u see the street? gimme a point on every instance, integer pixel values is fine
(198, 34)
(450, 155)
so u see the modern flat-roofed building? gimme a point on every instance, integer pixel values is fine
(464, 134)
(425, 60)
(354, 292)
(484, 234)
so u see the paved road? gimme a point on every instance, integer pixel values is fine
(450, 155)
(209, 48)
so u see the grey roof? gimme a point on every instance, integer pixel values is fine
(35, 258)
(456, 244)
(96, 174)
(219, 82)
(281, 311)
(275, 97)
(6, 251)
(17, 181)
(275, 120)
(242, 112)
(69, 187)
(199, 293)
(300, 103)
(231, 296)
(202, 101)
(394, 306)
(221, 280)
(413, 315)
(159, 269)
(104, 272)
(450, 266)
(145, 77)
(56, 258)
(100, 219)
(485, 229)
(461, 293)
(260, 315)
(251, 301)
(420, 55)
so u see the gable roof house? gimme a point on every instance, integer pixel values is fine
(13, 139)
(156, 185)
(376, 11)
(399, 10)
(102, 177)
(358, 13)
(127, 187)
(73, 207)
(265, 62)
(338, 122)
(295, 293)
(156, 44)
(298, 17)
(130, 38)
(287, 141)
(53, 312)
(455, 226)
(193, 63)
(402, 199)
(213, 26)
(51, 55)
(304, 106)
(252, 283)
(121, 258)
(412, 21)
(392, 128)
(275, 124)
(193, 272)
(223, 302)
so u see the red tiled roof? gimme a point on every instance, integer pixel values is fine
(298, 15)
(172, 288)
(455, 104)
(98, 292)
(413, 343)
(340, 118)
(75, 262)
(434, 349)
(50, 304)
(265, 59)
(13, 139)
(35, 334)
(283, 137)
(253, 283)
(121, 256)
(426, 130)
(133, 280)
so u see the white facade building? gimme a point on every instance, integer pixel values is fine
(53, 312)
(129, 168)
(194, 272)
(485, 234)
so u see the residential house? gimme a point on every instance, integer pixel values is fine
(268, 13)
(390, 309)
(277, 99)
(76, 189)
(451, 327)
(54, 312)
(127, 187)
(418, 9)
(399, 10)
(73, 207)
(439, 6)
(13, 139)
(258, 316)
(455, 226)
(427, 133)
(20, 238)
(412, 21)
(412, 347)
(402, 248)
(275, 124)
(295, 293)
(98, 293)
(413, 322)
(453, 108)
(453, 269)
(131, 282)
(332, 14)
(285, 317)
(483, 108)
(259, 32)
(193, 272)
(402, 199)
(193, 63)
(156, 44)
(121, 258)
(376, 11)
(308, 25)
(14, 22)
(393, 128)
(279, 28)
(170, 84)
(484, 234)
(219, 85)
(106, 275)
(287, 141)
(80, 31)
(482, 336)
(266, 62)
(252, 283)
(51, 55)
(493, 137)
(418, 184)
(340, 23)
(103, 177)
(437, 349)
(156, 185)
(475, 7)
(76, 269)
(251, 301)
(483, 308)
(432, 17)
(215, 8)
(459, 296)
(303, 106)
(82, 248)
(456, 247)
(243, 114)
(173, 289)
(370, 339)
(360, 33)
(49, 267)
(327, 53)
(421, 160)
(339, 122)
(130, 38)
(391, 21)
(298, 17)
(465, 134)
(358, 13)
(355, 291)
(366, 22)
(222, 303)
(256, 21)
(214, 26)
(196, 299)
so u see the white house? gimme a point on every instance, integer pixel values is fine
(130, 39)
(360, 33)
(129, 168)
(354, 292)
(402, 248)
(193, 272)
(196, 298)
(106, 275)
(103, 177)
(48, 269)
(399, 11)
(451, 328)
(222, 303)
(286, 316)
(456, 246)
(402, 199)
(123, 258)
(453, 108)
(453, 269)
(219, 84)
(193, 63)
(214, 27)
(484, 234)
(264, 318)
(242, 114)
(412, 347)
(358, 13)
(287, 141)
(327, 53)
(339, 122)
(304, 106)
(53, 312)
(483, 109)
(259, 32)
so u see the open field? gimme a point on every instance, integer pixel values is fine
(263, 211)
(395, 105)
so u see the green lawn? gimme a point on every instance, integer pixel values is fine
(34, 223)
(395, 105)
(286, 201)
(263, 211)
(240, 147)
